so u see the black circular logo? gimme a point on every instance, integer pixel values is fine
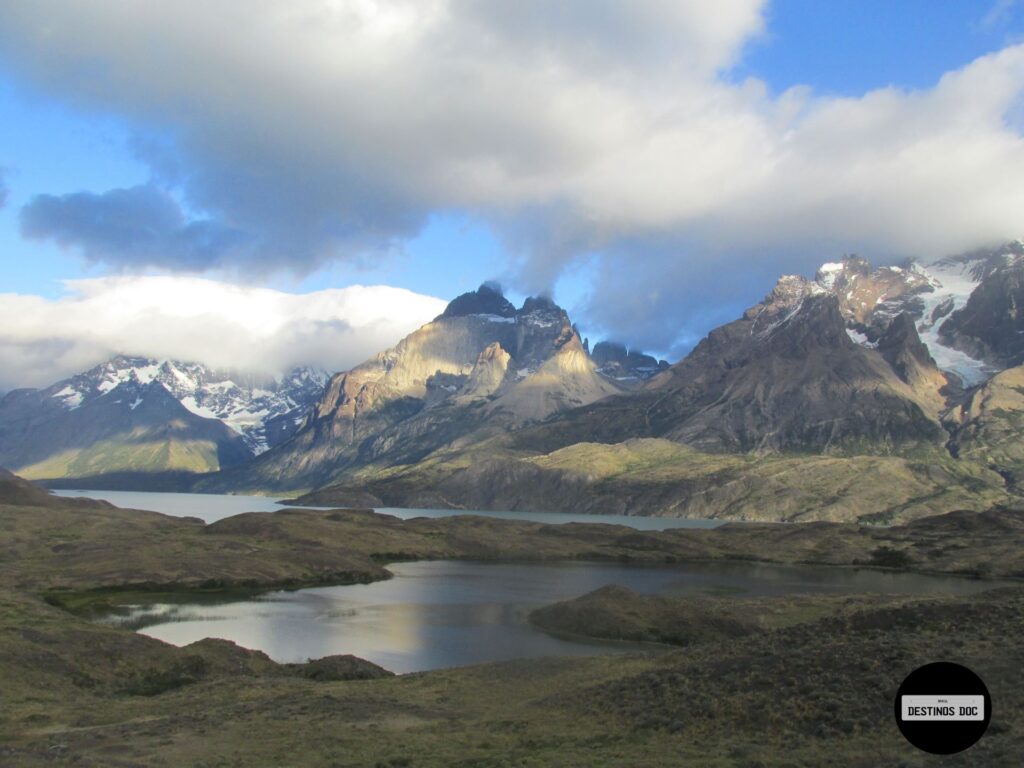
(943, 708)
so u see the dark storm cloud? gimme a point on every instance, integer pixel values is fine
(140, 226)
(665, 296)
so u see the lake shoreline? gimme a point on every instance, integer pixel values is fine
(90, 691)
(443, 613)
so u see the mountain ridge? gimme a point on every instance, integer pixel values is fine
(832, 378)
(854, 372)
(466, 369)
(134, 414)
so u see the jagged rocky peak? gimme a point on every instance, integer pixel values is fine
(867, 293)
(608, 352)
(617, 362)
(263, 409)
(966, 308)
(858, 289)
(788, 292)
(984, 262)
(815, 321)
(842, 271)
(788, 375)
(488, 299)
(481, 360)
(489, 373)
(785, 301)
(909, 357)
(901, 343)
(833, 307)
(871, 298)
(539, 304)
(435, 362)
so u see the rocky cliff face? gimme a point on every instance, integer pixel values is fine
(833, 398)
(481, 363)
(910, 359)
(788, 377)
(989, 426)
(870, 299)
(966, 308)
(625, 366)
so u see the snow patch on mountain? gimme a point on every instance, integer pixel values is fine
(243, 402)
(952, 285)
(861, 338)
(497, 319)
(929, 294)
(828, 273)
(70, 397)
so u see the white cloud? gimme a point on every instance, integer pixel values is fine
(330, 126)
(192, 319)
(321, 128)
(998, 14)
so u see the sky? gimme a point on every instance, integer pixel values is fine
(654, 165)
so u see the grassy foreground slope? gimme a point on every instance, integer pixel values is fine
(811, 687)
(812, 694)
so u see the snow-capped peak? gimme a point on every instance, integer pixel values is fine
(869, 298)
(828, 272)
(263, 410)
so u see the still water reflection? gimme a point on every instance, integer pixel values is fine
(444, 614)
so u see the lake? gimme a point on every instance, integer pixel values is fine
(211, 507)
(443, 614)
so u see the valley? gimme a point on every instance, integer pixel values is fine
(104, 695)
(859, 428)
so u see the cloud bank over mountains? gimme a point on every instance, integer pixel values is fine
(306, 132)
(193, 319)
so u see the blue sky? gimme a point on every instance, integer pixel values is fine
(46, 147)
(61, 135)
(849, 48)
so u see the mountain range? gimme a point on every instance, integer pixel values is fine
(860, 393)
(132, 418)
(877, 394)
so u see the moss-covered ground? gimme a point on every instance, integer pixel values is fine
(798, 683)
